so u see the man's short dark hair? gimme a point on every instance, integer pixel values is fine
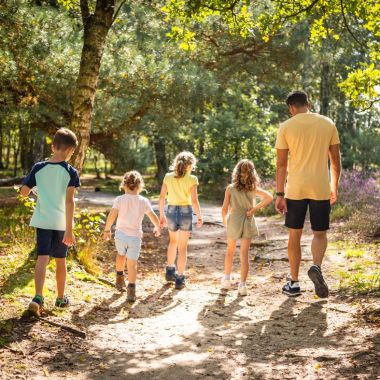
(298, 99)
(65, 139)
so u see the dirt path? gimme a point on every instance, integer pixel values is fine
(200, 332)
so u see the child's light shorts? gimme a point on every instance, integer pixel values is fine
(127, 245)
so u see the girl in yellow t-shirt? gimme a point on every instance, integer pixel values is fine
(180, 189)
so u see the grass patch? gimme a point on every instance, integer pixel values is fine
(340, 212)
(361, 274)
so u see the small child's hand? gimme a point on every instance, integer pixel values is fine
(163, 221)
(106, 235)
(251, 212)
(199, 222)
(157, 231)
(68, 238)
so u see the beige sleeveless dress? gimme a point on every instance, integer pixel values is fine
(239, 225)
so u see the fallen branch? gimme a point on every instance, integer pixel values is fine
(11, 181)
(106, 281)
(73, 330)
(219, 224)
(316, 304)
(19, 351)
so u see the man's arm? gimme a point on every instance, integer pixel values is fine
(335, 170)
(69, 238)
(281, 168)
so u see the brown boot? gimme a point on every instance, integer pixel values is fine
(120, 283)
(131, 293)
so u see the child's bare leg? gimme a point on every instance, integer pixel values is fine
(132, 270)
(60, 276)
(182, 251)
(40, 273)
(231, 247)
(120, 263)
(172, 247)
(244, 262)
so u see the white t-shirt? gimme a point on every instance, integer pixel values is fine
(132, 209)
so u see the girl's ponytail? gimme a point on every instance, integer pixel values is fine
(181, 164)
(133, 180)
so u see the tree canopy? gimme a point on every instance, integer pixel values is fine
(205, 76)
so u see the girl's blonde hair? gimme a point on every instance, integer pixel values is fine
(244, 176)
(132, 180)
(182, 161)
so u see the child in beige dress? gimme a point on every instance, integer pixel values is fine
(239, 208)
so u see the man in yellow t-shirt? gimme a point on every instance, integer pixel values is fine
(305, 143)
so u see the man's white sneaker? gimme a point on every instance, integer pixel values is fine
(242, 290)
(225, 283)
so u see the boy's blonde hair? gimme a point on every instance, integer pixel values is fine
(182, 161)
(133, 180)
(244, 176)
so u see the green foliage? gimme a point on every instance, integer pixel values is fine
(333, 20)
(220, 96)
(87, 226)
(360, 272)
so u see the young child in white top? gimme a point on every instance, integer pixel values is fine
(129, 210)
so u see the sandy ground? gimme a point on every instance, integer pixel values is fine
(201, 332)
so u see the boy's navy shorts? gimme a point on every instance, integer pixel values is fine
(49, 242)
(319, 214)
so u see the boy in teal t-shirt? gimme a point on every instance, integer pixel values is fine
(53, 216)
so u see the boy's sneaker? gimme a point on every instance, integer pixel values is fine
(36, 305)
(62, 302)
(120, 282)
(225, 283)
(292, 290)
(131, 293)
(180, 282)
(315, 275)
(170, 274)
(242, 291)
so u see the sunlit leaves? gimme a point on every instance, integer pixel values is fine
(69, 4)
(363, 86)
(328, 20)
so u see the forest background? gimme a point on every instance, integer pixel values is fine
(207, 77)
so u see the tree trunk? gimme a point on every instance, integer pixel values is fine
(8, 154)
(16, 151)
(161, 162)
(96, 27)
(325, 89)
(38, 146)
(1, 146)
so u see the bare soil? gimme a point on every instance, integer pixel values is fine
(201, 332)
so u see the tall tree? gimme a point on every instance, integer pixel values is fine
(96, 25)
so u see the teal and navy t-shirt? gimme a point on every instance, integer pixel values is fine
(52, 180)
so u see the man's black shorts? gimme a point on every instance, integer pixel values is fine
(319, 214)
(49, 242)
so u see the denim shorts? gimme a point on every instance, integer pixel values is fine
(179, 218)
(127, 245)
(49, 243)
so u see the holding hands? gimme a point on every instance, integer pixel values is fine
(163, 221)
(251, 212)
(106, 235)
